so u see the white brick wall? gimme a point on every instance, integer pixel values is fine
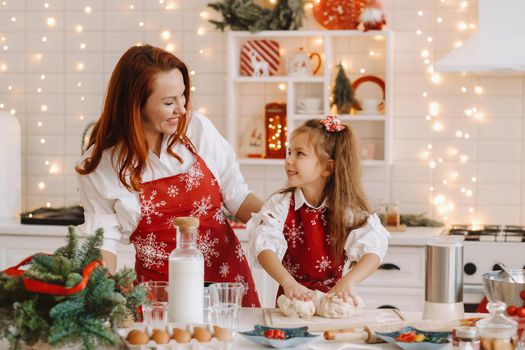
(495, 147)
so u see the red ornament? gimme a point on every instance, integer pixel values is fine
(275, 125)
(338, 14)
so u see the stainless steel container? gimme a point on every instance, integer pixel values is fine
(499, 286)
(444, 271)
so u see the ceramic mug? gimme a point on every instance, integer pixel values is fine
(309, 104)
(370, 105)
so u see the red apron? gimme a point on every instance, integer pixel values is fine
(193, 193)
(308, 257)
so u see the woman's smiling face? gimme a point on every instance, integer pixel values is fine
(165, 105)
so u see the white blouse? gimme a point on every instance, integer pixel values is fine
(108, 204)
(265, 231)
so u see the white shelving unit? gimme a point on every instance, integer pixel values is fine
(357, 50)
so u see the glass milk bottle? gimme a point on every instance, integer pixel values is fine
(186, 274)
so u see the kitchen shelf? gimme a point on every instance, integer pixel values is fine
(247, 96)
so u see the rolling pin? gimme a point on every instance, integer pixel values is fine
(367, 334)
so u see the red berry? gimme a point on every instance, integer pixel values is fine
(511, 310)
(522, 295)
(520, 312)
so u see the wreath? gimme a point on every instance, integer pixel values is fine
(249, 16)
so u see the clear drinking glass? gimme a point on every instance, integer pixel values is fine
(155, 310)
(206, 314)
(226, 301)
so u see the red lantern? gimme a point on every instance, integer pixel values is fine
(275, 124)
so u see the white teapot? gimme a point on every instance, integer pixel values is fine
(300, 64)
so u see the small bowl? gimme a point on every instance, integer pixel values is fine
(499, 286)
(294, 336)
(437, 339)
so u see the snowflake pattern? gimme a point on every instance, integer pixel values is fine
(148, 207)
(319, 212)
(173, 191)
(294, 233)
(201, 207)
(292, 268)
(206, 245)
(213, 181)
(219, 216)
(224, 270)
(239, 253)
(171, 222)
(192, 177)
(151, 252)
(323, 264)
(240, 279)
(329, 282)
(329, 240)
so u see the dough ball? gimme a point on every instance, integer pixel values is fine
(295, 308)
(335, 307)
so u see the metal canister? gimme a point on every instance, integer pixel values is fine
(444, 270)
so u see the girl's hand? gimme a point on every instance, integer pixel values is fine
(343, 291)
(293, 289)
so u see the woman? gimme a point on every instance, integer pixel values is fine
(149, 161)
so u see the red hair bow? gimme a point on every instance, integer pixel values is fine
(331, 123)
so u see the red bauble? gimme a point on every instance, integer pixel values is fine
(338, 14)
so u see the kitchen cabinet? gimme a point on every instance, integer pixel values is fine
(365, 55)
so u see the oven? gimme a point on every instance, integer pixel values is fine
(484, 246)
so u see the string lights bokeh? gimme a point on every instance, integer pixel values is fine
(54, 21)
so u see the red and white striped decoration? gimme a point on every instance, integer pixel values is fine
(265, 50)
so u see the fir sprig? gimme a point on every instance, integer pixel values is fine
(247, 15)
(88, 317)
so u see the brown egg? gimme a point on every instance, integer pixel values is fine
(222, 334)
(160, 336)
(137, 337)
(181, 335)
(201, 334)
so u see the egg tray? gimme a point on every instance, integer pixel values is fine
(193, 344)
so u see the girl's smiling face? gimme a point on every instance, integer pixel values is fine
(305, 170)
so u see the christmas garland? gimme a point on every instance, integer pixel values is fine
(247, 15)
(88, 317)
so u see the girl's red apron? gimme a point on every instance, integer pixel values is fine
(193, 193)
(308, 257)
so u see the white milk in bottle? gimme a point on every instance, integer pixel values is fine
(186, 275)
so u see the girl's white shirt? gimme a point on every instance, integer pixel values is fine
(265, 231)
(108, 204)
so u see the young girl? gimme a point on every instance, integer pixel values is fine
(318, 234)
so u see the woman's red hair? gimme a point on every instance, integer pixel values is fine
(120, 127)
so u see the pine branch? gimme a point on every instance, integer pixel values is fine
(90, 250)
(67, 309)
(70, 250)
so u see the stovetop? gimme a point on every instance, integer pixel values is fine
(489, 233)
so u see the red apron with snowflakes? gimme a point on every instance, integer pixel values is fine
(309, 258)
(193, 193)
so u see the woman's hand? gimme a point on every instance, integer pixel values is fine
(294, 289)
(343, 291)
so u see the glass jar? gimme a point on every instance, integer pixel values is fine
(465, 338)
(392, 214)
(497, 332)
(186, 275)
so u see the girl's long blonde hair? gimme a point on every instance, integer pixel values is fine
(343, 190)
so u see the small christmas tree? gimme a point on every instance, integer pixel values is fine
(88, 317)
(343, 94)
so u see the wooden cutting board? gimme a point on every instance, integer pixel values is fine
(274, 318)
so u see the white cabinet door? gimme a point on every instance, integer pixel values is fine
(404, 299)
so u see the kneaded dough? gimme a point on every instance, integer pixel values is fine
(295, 308)
(336, 307)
